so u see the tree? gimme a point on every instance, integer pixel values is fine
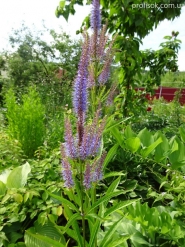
(34, 61)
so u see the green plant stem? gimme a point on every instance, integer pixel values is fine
(82, 204)
(94, 200)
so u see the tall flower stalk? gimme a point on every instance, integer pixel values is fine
(82, 155)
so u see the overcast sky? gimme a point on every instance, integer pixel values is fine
(14, 12)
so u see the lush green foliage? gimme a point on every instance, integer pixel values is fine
(171, 79)
(140, 200)
(26, 120)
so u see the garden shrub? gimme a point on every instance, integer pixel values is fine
(26, 120)
(11, 154)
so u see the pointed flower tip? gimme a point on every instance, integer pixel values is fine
(80, 94)
(95, 15)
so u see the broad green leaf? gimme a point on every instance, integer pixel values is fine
(50, 230)
(145, 152)
(177, 158)
(128, 133)
(4, 175)
(133, 144)
(182, 133)
(36, 240)
(146, 137)
(18, 176)
(163, 149)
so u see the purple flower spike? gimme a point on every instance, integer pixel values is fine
(66, 170)
(67, 174)
(91, 140)
(98, 171)
(96, 15)
(87, 177)
(80, 85)
(103, 77)
(102, 42)
(69, 145)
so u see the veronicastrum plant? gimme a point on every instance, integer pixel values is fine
(83, 156)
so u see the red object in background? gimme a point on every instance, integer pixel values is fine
(167, 93)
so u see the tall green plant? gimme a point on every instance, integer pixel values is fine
(83, 156)
(26, 120)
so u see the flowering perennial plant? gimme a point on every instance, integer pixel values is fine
(82, 152)
(93, 71)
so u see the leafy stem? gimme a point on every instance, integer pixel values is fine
(82, 203)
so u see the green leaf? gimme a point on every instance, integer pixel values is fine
(59, 211)
(113, 174)
(118, 136)
(177, 158)
(77, 236)
(50, 230)
(94, 233)
(2, 188)
(146, 137)
(119, 241)
(36, 240)
(18, 198)
(110, 233)
(105, 198)
(145, 152)
(118, 206)
(42, 218)
(133, 144)
(72, 219)
(139, 240)
(113, 185)
(182, 133)
(163, 149)
(18, 176)
(113, 124)
(62, 4)
(110, 155)
(64, 201)
(128, 133)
